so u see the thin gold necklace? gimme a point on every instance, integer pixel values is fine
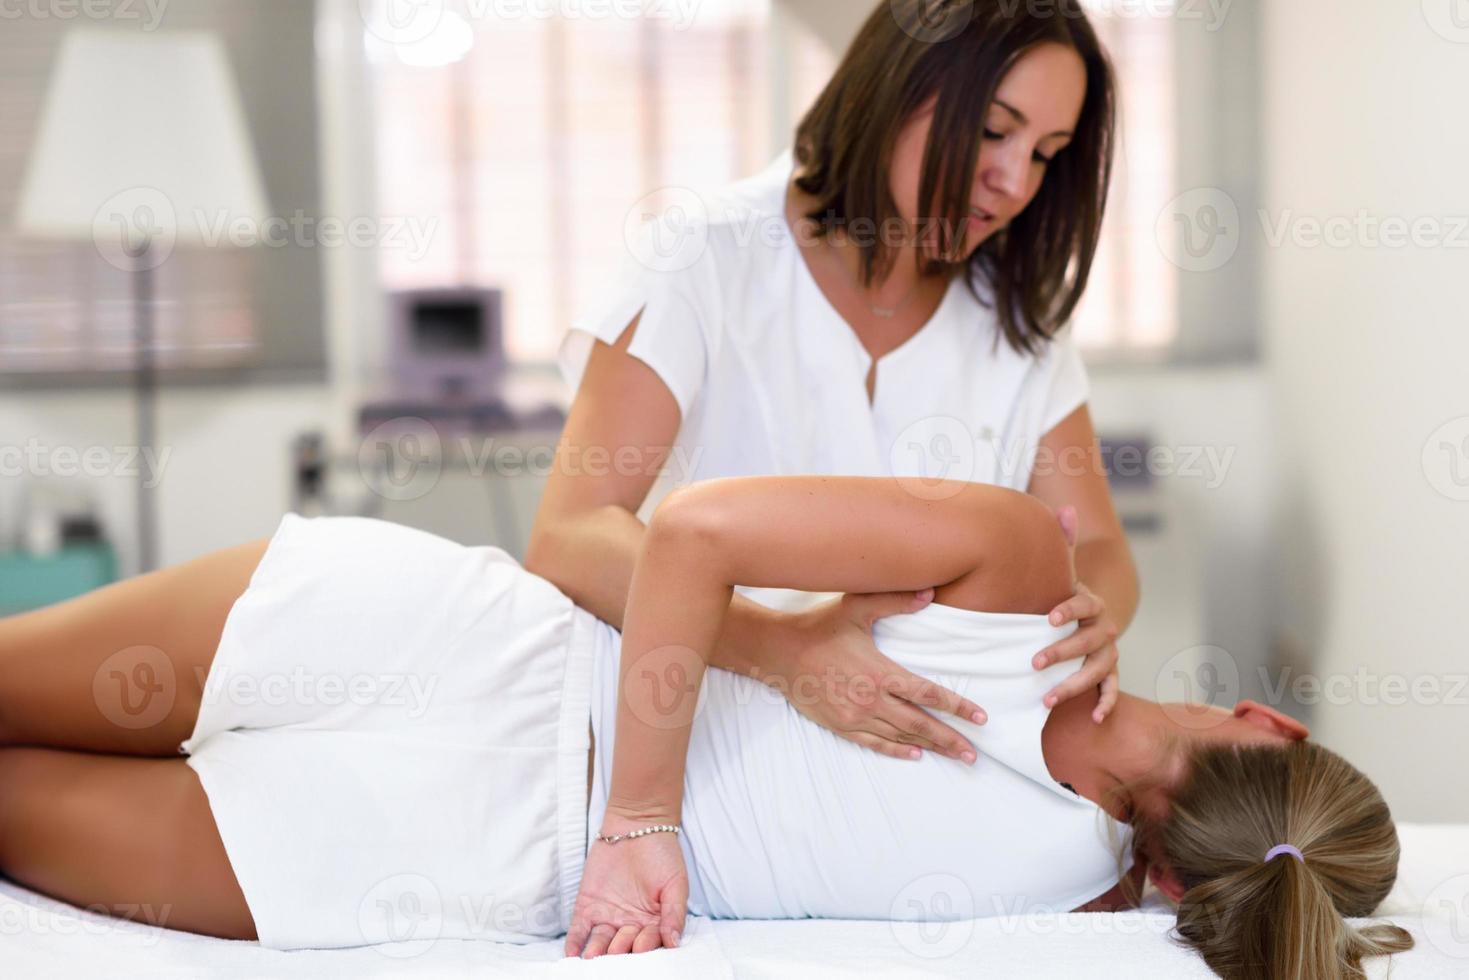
(884, 312)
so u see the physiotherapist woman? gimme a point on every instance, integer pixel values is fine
(885, 299)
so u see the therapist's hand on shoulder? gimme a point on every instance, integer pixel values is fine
(1095, 639)
(839, 679)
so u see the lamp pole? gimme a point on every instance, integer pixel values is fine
(145, 388)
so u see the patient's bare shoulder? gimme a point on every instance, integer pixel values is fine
(1025, 569)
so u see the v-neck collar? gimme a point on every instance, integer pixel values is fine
(844, 328)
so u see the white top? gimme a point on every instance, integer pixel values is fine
(783, 819)
(771, 380)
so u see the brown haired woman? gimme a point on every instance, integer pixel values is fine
(885, 300)
(387, 739)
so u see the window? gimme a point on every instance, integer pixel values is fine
(1131, 300)
(531, 148)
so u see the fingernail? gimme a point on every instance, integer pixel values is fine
(925, 595)
(914, 753)
(978, 717)
(1055, 618)
(1050, 700)
(675, 937)
(968, 757)
(1039, 662)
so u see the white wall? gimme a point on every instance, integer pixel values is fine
(1204, 571)
(1367, 350)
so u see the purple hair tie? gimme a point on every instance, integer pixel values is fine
(1280, 849)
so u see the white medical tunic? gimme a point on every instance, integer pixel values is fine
(770, 379)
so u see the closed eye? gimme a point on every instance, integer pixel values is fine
(1037, 157)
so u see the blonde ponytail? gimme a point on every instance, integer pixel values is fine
(1253, 919)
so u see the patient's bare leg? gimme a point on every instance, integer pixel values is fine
(131, 837)
(122, 668)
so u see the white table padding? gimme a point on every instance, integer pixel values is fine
(41, 938)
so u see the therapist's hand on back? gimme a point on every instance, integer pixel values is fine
(839, 679)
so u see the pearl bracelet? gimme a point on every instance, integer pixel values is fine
(664, 828)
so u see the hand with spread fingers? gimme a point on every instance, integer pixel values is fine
(839, 679)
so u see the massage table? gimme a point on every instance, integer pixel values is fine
(41, 938)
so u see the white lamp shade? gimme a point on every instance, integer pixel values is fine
(142, 130)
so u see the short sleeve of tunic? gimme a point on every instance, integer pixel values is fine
(669, 276)
(1067, 387)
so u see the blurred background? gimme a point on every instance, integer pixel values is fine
(408, 201)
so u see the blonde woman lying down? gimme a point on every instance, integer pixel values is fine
(375, 718)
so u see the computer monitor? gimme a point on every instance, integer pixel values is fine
(447, 343)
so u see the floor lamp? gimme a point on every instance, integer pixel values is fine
(142, 148)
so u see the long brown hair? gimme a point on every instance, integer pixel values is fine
(1253, 919)
(1036, 268)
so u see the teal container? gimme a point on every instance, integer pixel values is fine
(31, 581)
